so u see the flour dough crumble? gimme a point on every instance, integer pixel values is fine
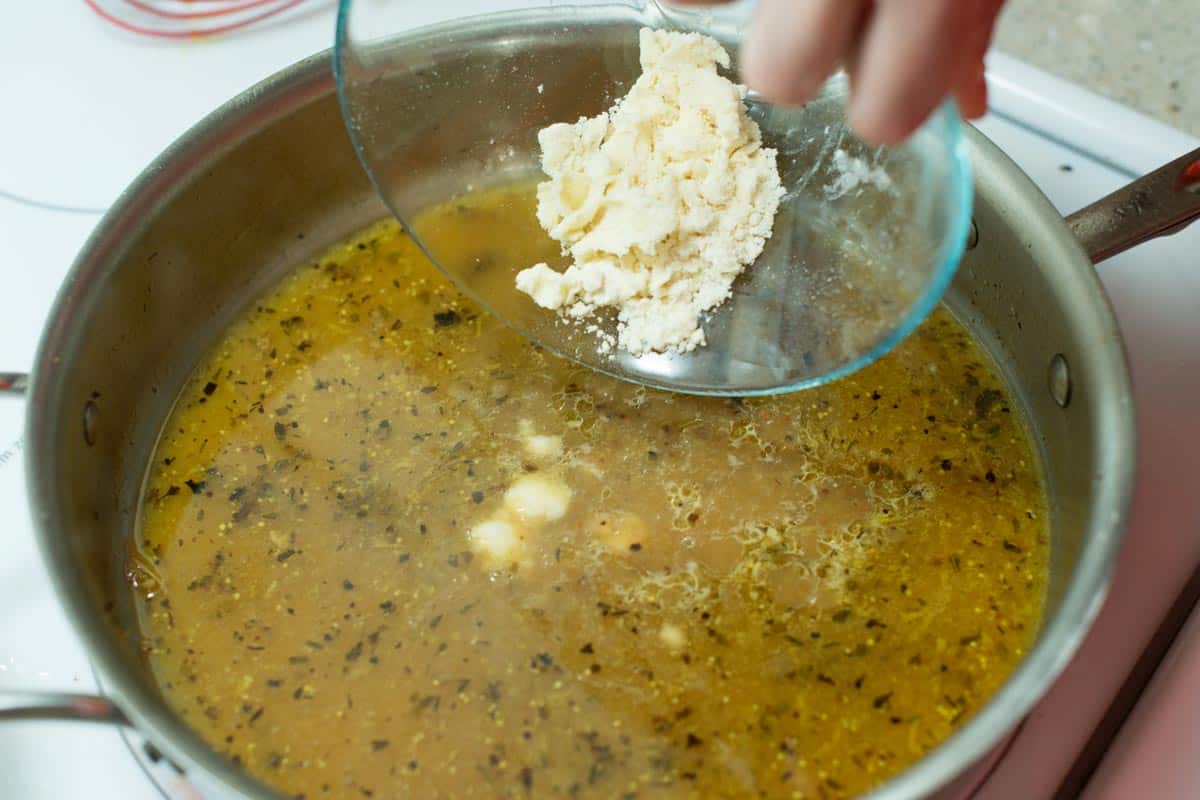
(660, 202)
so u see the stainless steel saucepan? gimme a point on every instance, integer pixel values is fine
(270, 179)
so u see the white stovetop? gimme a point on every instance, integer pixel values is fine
(83, 118)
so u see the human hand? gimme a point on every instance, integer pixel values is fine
(904, 57)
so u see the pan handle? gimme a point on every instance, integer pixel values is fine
(52, 705)
(1159, 204)
(58, 706)
(13, 382)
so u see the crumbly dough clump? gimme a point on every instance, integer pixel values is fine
(660, 202)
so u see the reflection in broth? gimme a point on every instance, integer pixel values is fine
(391, 549)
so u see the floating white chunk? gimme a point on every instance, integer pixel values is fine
(534, 497)
(541, 446)
(672, 636)
(496, 540)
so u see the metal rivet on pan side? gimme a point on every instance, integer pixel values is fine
(972, 236)
(91, 417)
(1060, 380)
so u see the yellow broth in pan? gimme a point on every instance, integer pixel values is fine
(390, 549)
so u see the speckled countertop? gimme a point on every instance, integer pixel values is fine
(1143, 53)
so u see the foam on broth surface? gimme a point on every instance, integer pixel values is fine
(782, 597)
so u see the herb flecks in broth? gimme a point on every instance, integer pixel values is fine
(393, 550)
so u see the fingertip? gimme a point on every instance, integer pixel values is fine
(775, 86)
(875, 123)
(792, 47)
(910, 62)
(762, 70)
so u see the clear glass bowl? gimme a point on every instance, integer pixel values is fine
(445, 99)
